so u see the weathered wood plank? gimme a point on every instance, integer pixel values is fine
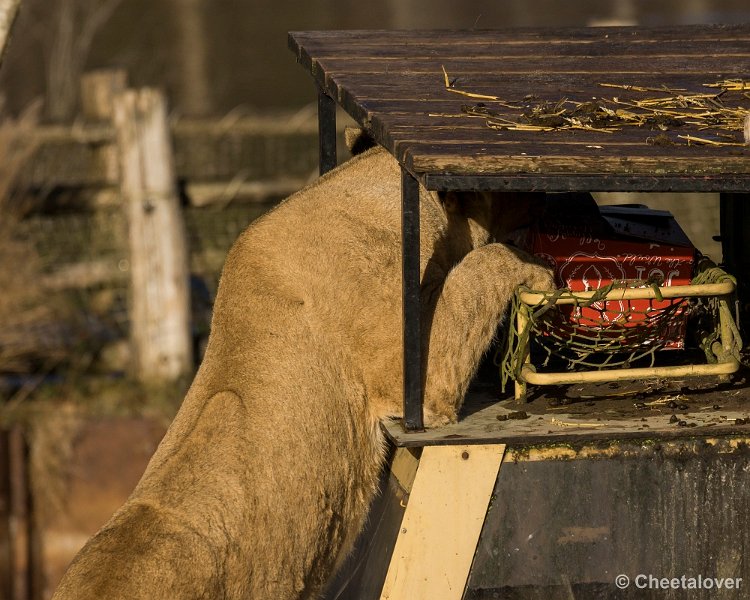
(534, 143)
(462, 158)
(423, 108)
(435, 50)
(515, 86)
(635, 62)
(322, 41)
(465, 129)
(422, 93)
(393, 84)
(364, 92)
(630, 139)
(479, 424)
(444, 45)
(591, 182)
(575, 152)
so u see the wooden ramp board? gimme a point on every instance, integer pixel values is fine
(443, 519)
(393, 84)
(564, 522)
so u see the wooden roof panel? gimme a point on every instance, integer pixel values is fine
(567, 35)
(392, 82)
(485, 64)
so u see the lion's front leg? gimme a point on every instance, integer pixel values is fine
(464, 318)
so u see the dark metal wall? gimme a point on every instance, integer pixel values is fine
(560, 528)
(567, 528)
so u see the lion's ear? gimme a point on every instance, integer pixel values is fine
(357, 140)
(451, 202)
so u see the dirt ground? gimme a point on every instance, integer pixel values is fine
(107, 458)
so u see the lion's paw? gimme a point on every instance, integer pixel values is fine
(540, 279)
(433, 419)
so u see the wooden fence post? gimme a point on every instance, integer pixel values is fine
(98, 91)
(8, 14)
(159, 319)
(25, 550)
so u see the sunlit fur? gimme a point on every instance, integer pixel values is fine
(265, 477)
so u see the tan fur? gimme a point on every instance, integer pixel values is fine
(265, 477)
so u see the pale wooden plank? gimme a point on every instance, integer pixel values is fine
(442, 523)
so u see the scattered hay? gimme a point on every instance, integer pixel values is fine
(717, 114)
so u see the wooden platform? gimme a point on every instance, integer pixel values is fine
(393, 83)
(584, 414)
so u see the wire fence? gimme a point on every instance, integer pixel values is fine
(84, 260)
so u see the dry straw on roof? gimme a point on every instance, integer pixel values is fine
(720, 117)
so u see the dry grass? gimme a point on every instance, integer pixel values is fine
(721, 117)
(23, 305)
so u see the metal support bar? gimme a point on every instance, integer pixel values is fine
(326, 131)
(529, 375)
(413, 389)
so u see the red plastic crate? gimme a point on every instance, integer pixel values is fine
(590, 248)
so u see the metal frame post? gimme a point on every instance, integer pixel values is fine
(326, 131)
(412, 366)
(735, 245)
(413, 389)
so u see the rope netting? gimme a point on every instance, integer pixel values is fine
(597, 332)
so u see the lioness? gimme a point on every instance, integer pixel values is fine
(264, 478)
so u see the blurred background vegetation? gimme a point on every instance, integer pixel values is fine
(221, 55)
(242, 121)
(220, 62)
